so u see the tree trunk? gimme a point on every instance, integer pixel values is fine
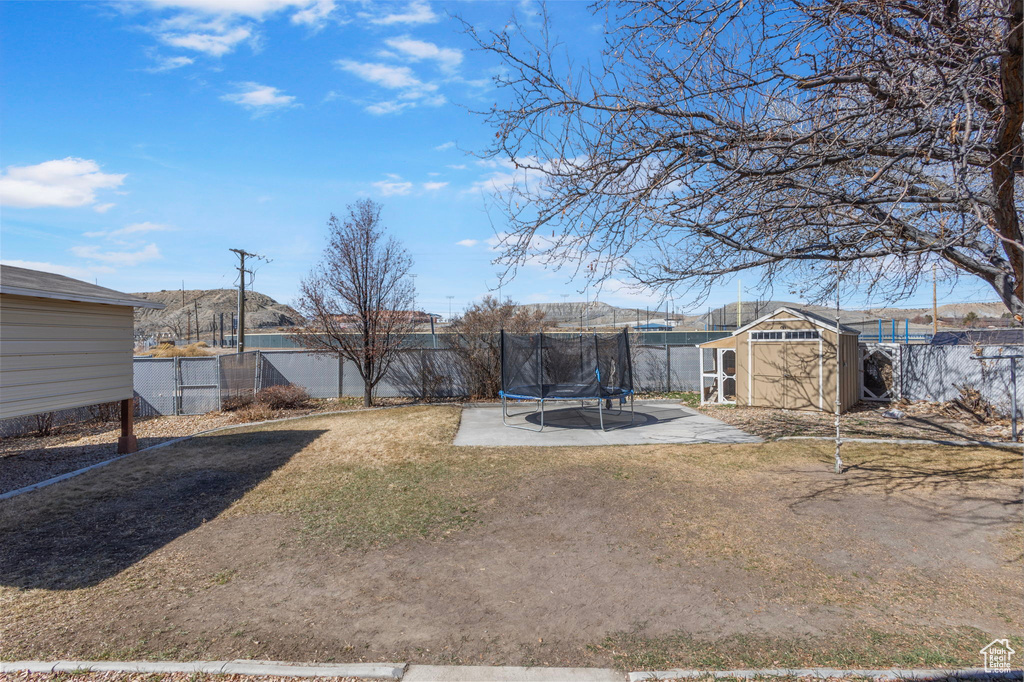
(367, 395)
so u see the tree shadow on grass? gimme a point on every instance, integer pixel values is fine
(82, 531)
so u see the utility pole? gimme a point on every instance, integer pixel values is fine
(449, 308)
(242, 255)
(739, 303)
(935, 301)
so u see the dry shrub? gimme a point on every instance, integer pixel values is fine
(236, 402)
(283, 397)
(106, 412)
(44, 424)
(169, 350)
(254, 412)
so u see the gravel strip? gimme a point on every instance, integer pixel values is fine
(921, 421)
(152, 677)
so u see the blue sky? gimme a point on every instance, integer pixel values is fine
(142, 140)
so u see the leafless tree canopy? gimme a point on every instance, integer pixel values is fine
(358, 300)
(478, 343)
(789, 137)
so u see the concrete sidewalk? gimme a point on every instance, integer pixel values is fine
(566, 424)
(479, 673)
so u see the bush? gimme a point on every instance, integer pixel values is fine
(283, 397)
(254, 412)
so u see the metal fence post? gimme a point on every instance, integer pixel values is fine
(177, 386)
(341, 376)
(220, 385)
(258, 375)
(668, 369)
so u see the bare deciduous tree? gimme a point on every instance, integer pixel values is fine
(478, 344)
(773, 135)
(357, 301)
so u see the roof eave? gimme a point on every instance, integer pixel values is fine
(79, 298)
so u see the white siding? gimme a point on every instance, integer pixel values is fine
(59, 354)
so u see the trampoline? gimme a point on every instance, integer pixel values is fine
(579, 367)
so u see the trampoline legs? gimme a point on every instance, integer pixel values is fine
(505, 415)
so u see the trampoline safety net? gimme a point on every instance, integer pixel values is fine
(536, 366)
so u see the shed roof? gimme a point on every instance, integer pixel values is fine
(813, 318)
(17, 281)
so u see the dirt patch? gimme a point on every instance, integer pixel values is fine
(929, 421)
(369, 537)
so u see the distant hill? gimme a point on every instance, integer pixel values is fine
(261, 311)
(598, 314)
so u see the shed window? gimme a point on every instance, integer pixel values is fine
(797, 335)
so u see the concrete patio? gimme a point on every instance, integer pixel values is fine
(656, 421)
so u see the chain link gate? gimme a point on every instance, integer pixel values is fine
(198, 385)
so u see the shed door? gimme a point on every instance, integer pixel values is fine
(768, 366)
(801, 388)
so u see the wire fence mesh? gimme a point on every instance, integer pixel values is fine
(318, 373)
(938, 372)
(156, 389)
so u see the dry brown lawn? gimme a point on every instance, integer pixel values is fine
(368, 536)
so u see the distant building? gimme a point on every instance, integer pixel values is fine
(653, 327)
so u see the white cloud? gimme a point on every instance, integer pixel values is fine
(170, 63)
(447, 58)
(315, 13)
(434, 186)
(118, 258)
(134, 228)
(411, 90)
(103, 208)
(457, 166)
(65, 182)
(382, 108)
(393, 188)
(445, 146)
(467, 242)
(214, 43)
(415, 13)
(66, 270)
(393, 77)
(260, 98)
(306, 11)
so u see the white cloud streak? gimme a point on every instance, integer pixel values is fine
(118, 258)
(415, 13)
(134, 228)
(260, 98)
(447, 58)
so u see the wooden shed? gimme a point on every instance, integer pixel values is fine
(785, 359)
(65, 343)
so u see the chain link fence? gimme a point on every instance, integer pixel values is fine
(937, 372)
(181, 386)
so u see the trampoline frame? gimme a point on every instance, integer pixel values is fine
(583, 401)
(604, 403)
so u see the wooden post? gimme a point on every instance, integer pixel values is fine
(127, 443)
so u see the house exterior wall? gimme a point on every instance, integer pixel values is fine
(57, 354)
